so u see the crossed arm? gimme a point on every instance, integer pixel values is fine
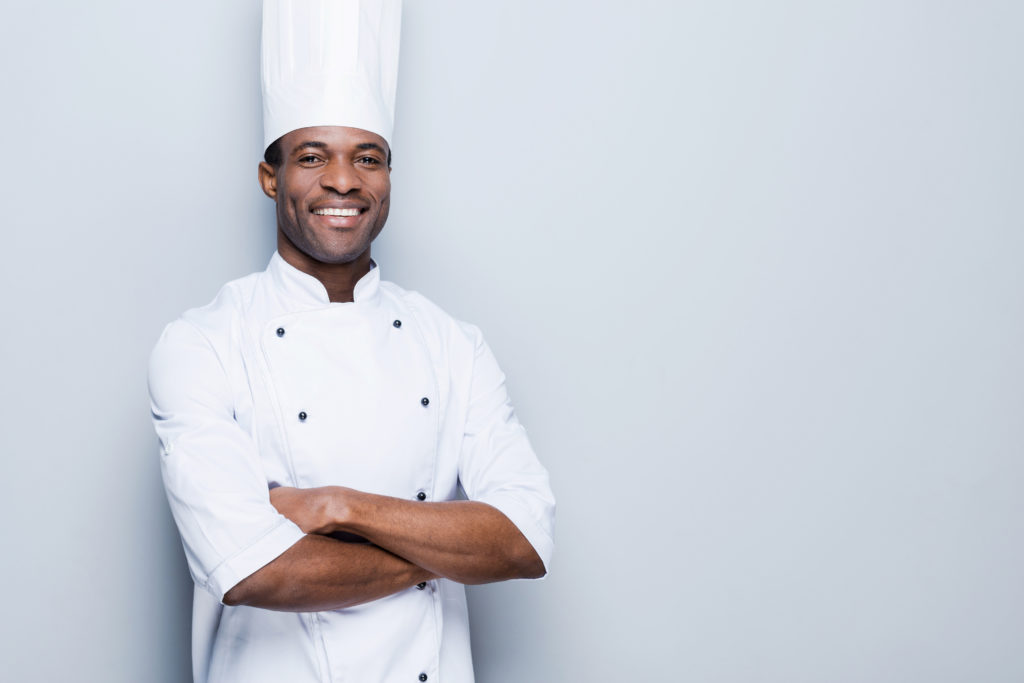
(217, 492)
(410, 542)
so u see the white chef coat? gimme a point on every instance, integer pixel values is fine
(273, 384)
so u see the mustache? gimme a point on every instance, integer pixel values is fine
(335, 196)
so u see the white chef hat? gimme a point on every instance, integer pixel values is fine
(329, 63)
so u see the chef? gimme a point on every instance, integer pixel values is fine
(319, 424)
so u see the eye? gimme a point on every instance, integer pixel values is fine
(369, 161)
(308, 159)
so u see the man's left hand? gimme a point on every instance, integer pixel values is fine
(311, 509)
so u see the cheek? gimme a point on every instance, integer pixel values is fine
(294, 207)
(285, 213)
(382, 214)
(385, 202)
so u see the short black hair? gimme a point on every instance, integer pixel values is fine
(273, 154)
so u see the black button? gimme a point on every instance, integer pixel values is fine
(425, 401)
(421, 586)
(397, 323)
(302, 416)
(421, 496)
(280, 332)
(423, 677)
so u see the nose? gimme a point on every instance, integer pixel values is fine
(340, 176)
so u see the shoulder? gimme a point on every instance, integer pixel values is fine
(218, 316)
(204, 335)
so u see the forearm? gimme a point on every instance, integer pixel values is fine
(465, 541)
(320, 573)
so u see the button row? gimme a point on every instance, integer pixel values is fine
(419, 496)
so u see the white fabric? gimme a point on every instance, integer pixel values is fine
(227, 390)
(329, 63)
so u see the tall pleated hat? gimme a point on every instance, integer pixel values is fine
(329, 63)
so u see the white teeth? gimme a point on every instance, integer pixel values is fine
(336, 212)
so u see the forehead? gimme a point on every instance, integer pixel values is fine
(338, 138)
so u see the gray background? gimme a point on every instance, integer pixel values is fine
(754, 271)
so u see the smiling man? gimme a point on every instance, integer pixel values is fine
(332, 187)
(318, 424)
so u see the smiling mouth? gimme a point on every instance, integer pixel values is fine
(337, 212)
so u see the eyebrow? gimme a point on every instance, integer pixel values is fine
(370, 145)
(309, 143)
(363, 146)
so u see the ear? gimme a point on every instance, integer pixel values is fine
(268, 180)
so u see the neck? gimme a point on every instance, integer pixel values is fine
(339, 279)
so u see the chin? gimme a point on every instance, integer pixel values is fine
(335, 258)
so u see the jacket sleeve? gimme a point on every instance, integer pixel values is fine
(211, 469)
(497, 465)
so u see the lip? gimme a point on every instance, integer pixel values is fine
(339, 204)
(339, 222)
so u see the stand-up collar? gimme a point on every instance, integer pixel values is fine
(303, 290)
